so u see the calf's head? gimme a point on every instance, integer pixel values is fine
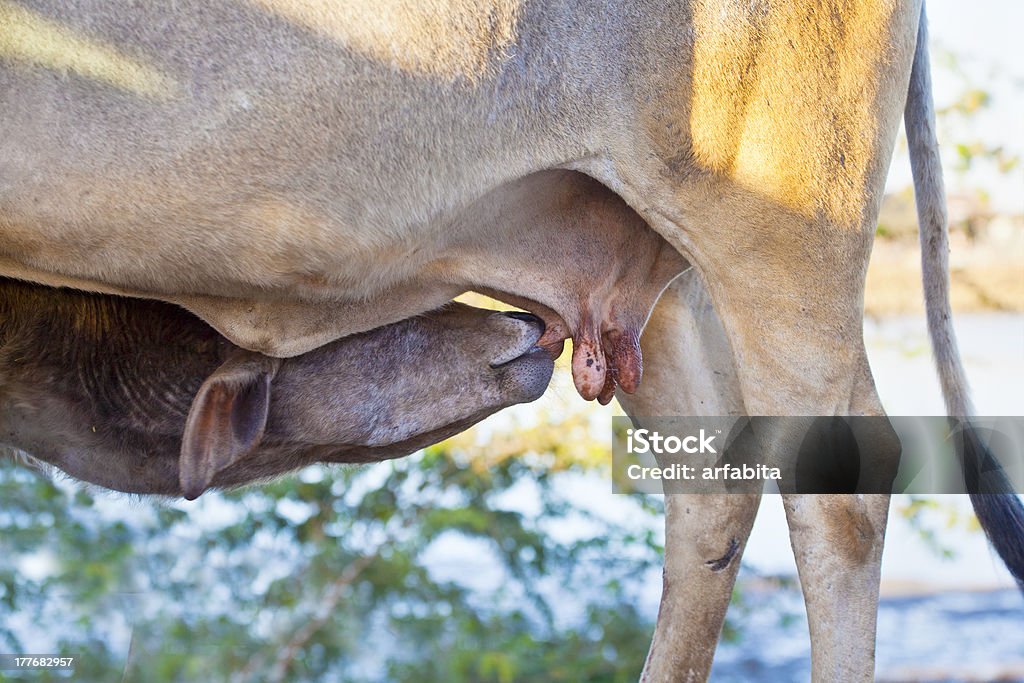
(367, 397)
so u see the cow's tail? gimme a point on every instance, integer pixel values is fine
(998, 508)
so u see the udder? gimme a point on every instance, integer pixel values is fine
(571, 251)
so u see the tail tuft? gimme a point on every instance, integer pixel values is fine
(999, 510)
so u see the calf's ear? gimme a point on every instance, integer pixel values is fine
(226, 420)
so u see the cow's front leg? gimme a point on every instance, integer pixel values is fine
(689, 371)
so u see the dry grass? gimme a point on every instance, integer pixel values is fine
(985, 277)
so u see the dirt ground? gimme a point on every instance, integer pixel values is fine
(986, 276)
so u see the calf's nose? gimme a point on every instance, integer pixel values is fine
(517, 333)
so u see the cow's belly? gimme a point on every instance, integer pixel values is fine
(322, 228)
(265, 243)
(229, 150)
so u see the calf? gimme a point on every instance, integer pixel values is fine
(143, 397)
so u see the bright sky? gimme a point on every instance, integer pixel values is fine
(985, 37)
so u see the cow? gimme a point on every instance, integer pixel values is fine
(274, 165)
(143, 397)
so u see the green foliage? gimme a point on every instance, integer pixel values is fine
(930, 518)
(958, 120)
(337, 574)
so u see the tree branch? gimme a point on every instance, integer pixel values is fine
(328, 602)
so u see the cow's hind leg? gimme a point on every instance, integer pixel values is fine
(837, 541)
(704, 540)
(772, 191)
(788, 288)
(689, 371)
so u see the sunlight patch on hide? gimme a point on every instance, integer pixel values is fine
(784, 97)
(28, 37)
(446, 38)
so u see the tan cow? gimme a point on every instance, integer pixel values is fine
(274, 165)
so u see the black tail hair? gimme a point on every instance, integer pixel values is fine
(998, 508)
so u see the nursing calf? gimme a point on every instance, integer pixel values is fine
(282, 168)
(143, 397)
